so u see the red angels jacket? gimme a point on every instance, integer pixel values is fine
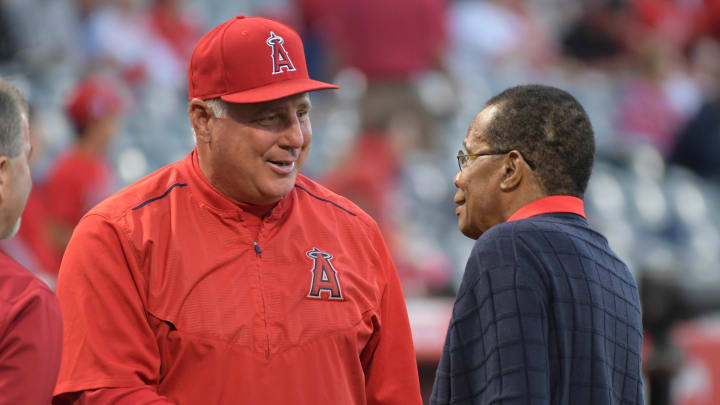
(168, 299)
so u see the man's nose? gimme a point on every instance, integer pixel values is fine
(457, 179)
(293, 135)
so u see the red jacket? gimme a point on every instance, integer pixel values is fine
(166, 294)
(30, 336)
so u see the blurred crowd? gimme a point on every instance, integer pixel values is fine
(107, 84)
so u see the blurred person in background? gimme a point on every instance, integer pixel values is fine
(30, 325)
(176, 28)
(392, 54)
(8, 44)
(676, 21)
(32, 247)
(47, 52)
(498, 34)
(546, 312)
(658, 97)
(707, 21)
(228, 277)
(598, 36)
(87, 7)
(127, 38)
(661, 92)
(698, 142)
(82, 176)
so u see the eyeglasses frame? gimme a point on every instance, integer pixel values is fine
(466, 157)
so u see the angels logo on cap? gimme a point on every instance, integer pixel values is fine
(280, 57)
(231, 62)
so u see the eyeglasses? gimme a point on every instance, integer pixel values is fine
(463, 158)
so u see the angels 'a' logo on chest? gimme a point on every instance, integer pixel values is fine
(325, 282)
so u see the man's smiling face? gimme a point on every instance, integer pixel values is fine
(258, 149)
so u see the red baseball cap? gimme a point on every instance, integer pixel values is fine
(250, 60)
(92, 99)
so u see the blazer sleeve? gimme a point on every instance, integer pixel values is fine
(497, 341)
(108, 342)
(389, 357)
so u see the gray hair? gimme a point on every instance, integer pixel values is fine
(218, 107)
(13, 107)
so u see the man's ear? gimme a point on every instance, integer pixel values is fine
(201, 118)
(513, 171)
(4, 176)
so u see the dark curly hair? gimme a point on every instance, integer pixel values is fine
(550, 128)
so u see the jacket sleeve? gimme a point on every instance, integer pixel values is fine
(389, 357)
(497, 342)
(142, 395)
(109, 343)
(30, 349)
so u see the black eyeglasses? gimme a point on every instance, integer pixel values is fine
(463, 158)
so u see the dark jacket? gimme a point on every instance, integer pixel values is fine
(546, 314)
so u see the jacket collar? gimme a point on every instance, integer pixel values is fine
(548, 205)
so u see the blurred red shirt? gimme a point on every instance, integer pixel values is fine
(391, 40)
(76, 183)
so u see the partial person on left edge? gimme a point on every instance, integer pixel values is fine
(30, 321)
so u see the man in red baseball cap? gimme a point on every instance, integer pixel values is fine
(81, 176)
(228, 277)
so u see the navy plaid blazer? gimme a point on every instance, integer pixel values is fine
(546, 314)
